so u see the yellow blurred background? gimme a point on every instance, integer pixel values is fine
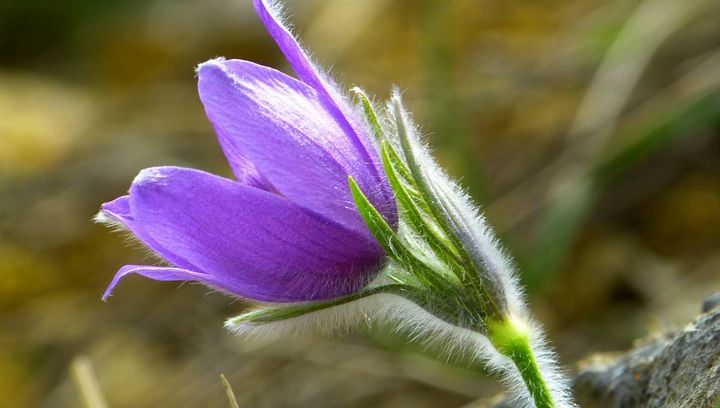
(588, 130)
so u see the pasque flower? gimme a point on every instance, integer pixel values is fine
(337, 216)
(286, 228)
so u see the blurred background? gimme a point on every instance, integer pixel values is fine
(588, 130)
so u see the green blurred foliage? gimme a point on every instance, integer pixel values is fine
(609, 199)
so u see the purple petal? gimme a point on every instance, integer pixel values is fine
(118, 211)
(245, 240)
(281, 126)
(355, 127)
(160, 274)
(244, 170)
(295, 54)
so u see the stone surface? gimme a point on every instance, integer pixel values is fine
(711, 302)
(682, 371)
(679, 370)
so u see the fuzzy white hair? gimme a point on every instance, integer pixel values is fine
(401, 315)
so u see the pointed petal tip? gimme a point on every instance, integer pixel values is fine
(115, 280)
(114, 214)
(272, 13)
(265, 5)
(154, 176)
(148, 175)
(119, 275)
(218, 62)
(214, 77)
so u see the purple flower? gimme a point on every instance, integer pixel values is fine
(286, 229)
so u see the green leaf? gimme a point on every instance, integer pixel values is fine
(417, 174)
(391, 243)
(382, 231)
(369, 113)
(402, 169)
(439, 243)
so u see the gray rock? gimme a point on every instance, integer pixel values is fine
(711, 302)
(682, 371)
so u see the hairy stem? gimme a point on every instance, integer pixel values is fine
(511, 338)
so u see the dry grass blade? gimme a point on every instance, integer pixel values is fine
(229, 392)
(83, 376)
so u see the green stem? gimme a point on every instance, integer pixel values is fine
(511, 338)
